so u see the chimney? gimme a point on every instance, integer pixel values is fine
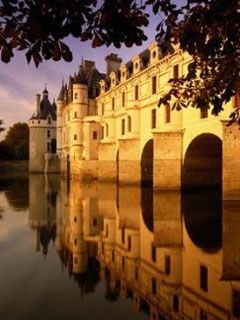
(38, 97)
(113, 63)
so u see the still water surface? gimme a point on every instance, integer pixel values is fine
(98, 251)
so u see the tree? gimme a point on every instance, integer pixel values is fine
(1, 127)
(15, 145)
(209, 30)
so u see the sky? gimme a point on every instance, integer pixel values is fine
(20, 81)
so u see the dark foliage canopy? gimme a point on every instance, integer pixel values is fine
(1, 125)
(209, 30)
(15, 144)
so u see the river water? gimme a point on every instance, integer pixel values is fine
(100, 251)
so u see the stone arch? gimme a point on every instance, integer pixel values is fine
(202, 166)
(147, 164)
(147, 184)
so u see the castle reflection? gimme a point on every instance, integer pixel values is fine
(177, 256)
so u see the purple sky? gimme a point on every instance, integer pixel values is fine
(19, 82)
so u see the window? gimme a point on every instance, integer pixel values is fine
(136, 92)
(94, 222)
(48, 134)
(136, 273)
(75, 242)
(123, 99)
(154, 54)
(176, 303)
(48, 146)
(154, 84)
(49, 120)
(123, 126)
(95, 135)
(129, 243)
(106, 130)
(75, 95)
(129, 124)
(167, 265)
(154, 286)
(113, 103)
(113, 256)
(203, 113)
(123, 263)
(236, 303)
(102, 248)
(176, 72)
(203, 314)
(75, 260)
(75, 137)
(106, 231)
(103, 109)
(75, 219)
(154, 253)
(167, 113)
(123, 235)
(204, 278)
(154, 118)
(75, 114)
(102, 132)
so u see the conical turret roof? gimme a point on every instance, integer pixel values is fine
(81, 77)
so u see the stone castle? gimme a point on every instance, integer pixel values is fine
(108, 127)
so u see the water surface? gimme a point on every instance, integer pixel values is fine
(100, 251)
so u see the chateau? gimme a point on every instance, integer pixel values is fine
(108, 127)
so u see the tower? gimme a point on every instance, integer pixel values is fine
(60, 106)
(80, 110)
(42, 133)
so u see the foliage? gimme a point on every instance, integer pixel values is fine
(15, 144)
(208, 30)
(1, 125)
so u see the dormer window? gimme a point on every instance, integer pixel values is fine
(75, 96)
(136, 65)
(49, 120)
(154, 54)
(102, 86)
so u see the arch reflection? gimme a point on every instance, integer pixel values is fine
(174, 270)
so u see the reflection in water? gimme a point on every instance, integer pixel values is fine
(16, 191)
(203, 218)
(181, 263)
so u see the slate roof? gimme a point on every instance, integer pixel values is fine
(46, 108)
(89, 76)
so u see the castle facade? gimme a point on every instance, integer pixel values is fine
(109, 127)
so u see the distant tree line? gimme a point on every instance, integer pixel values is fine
(15, 145)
